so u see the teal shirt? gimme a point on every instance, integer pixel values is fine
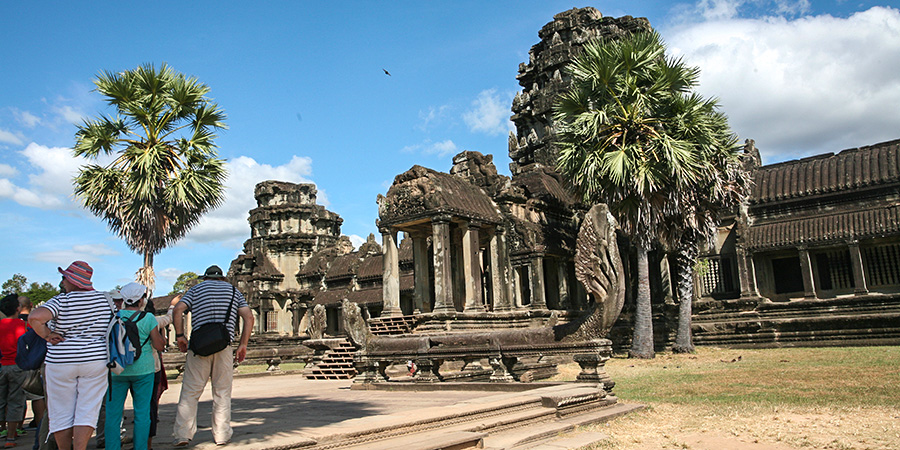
(144, 364)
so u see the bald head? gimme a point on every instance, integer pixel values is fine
(25, 304)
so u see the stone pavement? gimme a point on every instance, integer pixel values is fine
(280, 410)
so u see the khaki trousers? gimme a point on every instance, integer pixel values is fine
(218, 367)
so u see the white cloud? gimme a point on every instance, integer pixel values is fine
(7, 170)
(93, 252)
(431, 116)
(228, 223)
(69, 114)
(356, 241)
(169, 274)
(50, 185)
(26, 118)
(490, 113)
(8, 137)
(803, 86)
(441, 149)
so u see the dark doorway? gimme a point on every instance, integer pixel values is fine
(788, 275)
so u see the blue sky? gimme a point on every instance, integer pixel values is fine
(307, 100)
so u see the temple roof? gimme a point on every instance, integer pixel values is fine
(838, 226)
(421, 193)
(544, 186)
(829, 173)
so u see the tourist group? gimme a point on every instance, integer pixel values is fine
(77, 355)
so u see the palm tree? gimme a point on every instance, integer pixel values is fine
(622, 141)
(165, 173)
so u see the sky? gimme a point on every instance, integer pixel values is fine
(307, 98)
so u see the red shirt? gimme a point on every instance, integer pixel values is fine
(10, 330)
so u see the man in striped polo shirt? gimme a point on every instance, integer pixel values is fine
(208, 302)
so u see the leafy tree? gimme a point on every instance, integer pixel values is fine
(36, 292)
(40, 292)
(626, 139)
(183, 282)
(17, 283)
(165, 173)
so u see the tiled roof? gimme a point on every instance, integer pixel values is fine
(850, 169)
(824, 228)
(343, 267)
(366, 296)
(330, 296)
(371, 268)
(543, 186)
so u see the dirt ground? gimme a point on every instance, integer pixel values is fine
(670, 426)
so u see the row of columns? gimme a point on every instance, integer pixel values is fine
(748, 274)
(443, 273)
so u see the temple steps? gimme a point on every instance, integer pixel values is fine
(391, 325)
(336, 364)
(861, 320)
(533, 419)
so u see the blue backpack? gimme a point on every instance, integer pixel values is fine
(124, 341)
(30, 350)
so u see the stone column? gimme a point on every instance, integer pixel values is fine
(809, 288)
(500, 279)
(472, 268)
(443, 279)
(859, 275)
(565, 300)
(538, 298)
(746, 274)
(421, 297)
(391, 278)
(298, 311)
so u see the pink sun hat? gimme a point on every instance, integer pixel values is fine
(79, 273)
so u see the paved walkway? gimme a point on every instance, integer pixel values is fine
(286, 409)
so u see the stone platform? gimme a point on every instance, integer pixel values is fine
(275, 412)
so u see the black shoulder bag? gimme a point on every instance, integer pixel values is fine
(212, 337)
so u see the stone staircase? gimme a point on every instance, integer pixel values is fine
(335, 364)
(542, 418)
(391, 325)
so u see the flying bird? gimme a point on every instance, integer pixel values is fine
(386, 72)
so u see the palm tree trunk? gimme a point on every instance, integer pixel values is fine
(687, 258)
(145, 274)
(642, 340)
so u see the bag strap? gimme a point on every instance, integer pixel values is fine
(230, 304)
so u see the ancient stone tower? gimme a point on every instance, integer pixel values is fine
(543, 78)
(286, 228)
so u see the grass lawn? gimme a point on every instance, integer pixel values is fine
(259, 368)
(791, 398)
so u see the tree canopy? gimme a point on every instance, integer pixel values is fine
(165, 173)
(36, 292)
(634, 135)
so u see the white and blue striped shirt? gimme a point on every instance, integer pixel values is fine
(82, 318)
(208, 303)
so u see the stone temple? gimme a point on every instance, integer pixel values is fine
(813, 256)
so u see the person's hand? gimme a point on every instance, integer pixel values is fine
(241, 353)
(175, 300)
(182, 344)
(55, 338)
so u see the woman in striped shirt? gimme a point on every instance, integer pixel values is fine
(75, 324)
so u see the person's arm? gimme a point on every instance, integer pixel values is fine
(156, 340)
(246, 329)
(178, 323)
(38, 320)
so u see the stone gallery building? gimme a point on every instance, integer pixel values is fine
(471, 248)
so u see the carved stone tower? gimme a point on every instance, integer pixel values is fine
(543, 78)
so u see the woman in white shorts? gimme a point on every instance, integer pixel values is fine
(75, 324)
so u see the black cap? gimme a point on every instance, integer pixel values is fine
(213, 272)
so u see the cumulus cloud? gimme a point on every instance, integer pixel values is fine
(799, 86)
(8, 137)
(7, 170)
(93, 252)
(228, 223)
(356, 241)
(490, 113)
(441, 149)
(50, 184)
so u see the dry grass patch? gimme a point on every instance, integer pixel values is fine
(810, 398)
